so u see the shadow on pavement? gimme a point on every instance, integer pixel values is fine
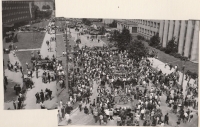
(9, 94)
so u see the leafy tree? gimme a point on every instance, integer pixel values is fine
(123, 39)
(154, 40)
(48, 7)
(86, 22)
(172, 46)
(114, 36)
(139, 37)
(102, 30)
(113, 24)
(44, 7)
(137, 50)
(43, 14)
(100, 20)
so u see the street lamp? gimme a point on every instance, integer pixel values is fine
(66, 55)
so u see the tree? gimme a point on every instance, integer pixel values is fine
(154, 40)
(113, 24)
(86, 22)
(48, 7)
(137, 50)
(102, 30)
(172, 46)
(139, 37)
(123, 39)
(44, 7)
(114, 36)
(35, 7)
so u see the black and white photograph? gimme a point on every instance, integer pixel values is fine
(29, 54)
(127, 72)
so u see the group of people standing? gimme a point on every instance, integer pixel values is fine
(120, 79)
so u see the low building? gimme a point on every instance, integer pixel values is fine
(128, 24)
(107, 21)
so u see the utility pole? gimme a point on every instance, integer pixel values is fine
(66, 57)
(183, 67)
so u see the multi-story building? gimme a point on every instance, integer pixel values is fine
(16, 11)
(186, 33)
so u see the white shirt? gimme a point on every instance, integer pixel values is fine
(66, 117)
(106, 111)
(142, 111)
(185, 114)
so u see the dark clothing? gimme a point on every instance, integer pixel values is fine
(166, 119)
(42, 96)
(37, 98)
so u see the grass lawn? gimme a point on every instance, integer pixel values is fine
(25, 56)
(193, 67)
(30, 40)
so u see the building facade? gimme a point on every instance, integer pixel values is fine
(16, 11)
(107, 21)
(186, 33)
(128, 24)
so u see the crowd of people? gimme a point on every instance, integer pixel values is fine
(123, 81)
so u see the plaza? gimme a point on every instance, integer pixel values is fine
(100, 92)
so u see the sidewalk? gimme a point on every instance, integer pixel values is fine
(13, 78)
(44, 49)
(158, 64)
(30, 99)
(30, 102)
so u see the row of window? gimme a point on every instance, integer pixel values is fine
(14, 13)
(10, 8)
(15, 2)
(14, 19)
(145, 31)
(150, 23)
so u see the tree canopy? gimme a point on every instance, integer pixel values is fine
(86, 21)
(154, 40)
(172, 46)
(46, 7)
(114, 36)
(137, 50)
(113, 24)
(123, 39)
(102, 30)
